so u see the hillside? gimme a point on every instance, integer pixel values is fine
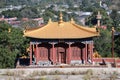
(4, 3)
(113, 4)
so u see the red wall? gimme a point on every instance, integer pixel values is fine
(107, 60)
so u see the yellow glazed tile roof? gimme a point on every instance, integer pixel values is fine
(61, 30)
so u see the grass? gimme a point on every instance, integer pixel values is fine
(89, 71)
(57, 77)
(57, 72)
(114, 76)
(88, 74)
(14, 73)
(43, 73)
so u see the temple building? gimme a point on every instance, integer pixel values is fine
(61, 43)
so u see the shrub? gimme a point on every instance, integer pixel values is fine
(43, 73)
(89, 71)
(56, 72)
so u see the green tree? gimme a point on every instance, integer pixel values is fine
(29, 24)
(116, 18)
(12, 43)
(117, 43)
(106, 20)
(11, 13)
(103, 43)
(29, 12)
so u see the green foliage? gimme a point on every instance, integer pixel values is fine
(29, 12)
(17, 2)
(103, 43)
(89, 5)
(11, 45)
(12, 13)
(116, 18)
(106, 20)
(29, 24)
(117, 44)
(2, 3)
(115, 4)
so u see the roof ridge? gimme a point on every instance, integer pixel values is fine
(84, 28)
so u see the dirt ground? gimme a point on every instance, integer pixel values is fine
(60, 74)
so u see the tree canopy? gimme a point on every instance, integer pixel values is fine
(103, 43)
(106, 19)
(12, 44)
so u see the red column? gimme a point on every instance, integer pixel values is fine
(89, 51)
(85, 53)
(53, 53)
(92, 51)
(39, 50)
(69, 54)
(30, 54)
(37, 55)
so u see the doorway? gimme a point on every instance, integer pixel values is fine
(61, 55)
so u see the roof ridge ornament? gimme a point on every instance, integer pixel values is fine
(24, 31)
(113, 29)
(9, 30)
(61, 17)
(72, 20)
(99, 17)
(50, 20)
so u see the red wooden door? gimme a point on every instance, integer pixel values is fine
(63, 57)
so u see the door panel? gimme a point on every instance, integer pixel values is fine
(61, 57)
